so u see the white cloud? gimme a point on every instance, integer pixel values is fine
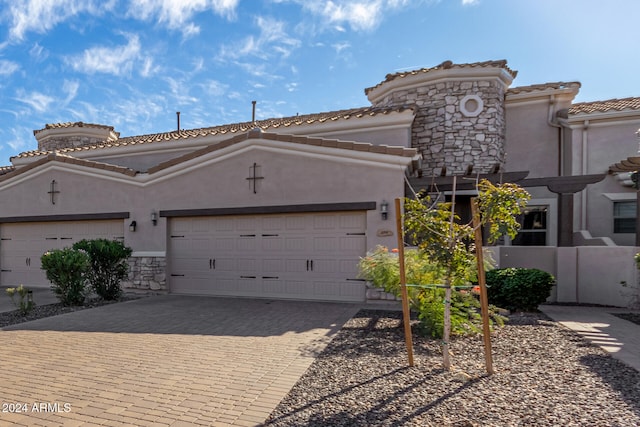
(272, 38)
(21, 135)
(470, 2)
(117, 60)
(8, 67)
(38, 52)
(339, 47)
(214, 88)
(177, 14)
(359, 15)
(36, 100)
(70, 88)
(42, 15)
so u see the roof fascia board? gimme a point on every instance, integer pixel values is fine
(325, 153)
(540, 95)
(346, 156)
(609, 118)
(390, 121)
(68, 167)
(437, 76)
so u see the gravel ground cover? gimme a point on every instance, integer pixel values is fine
(545, 376)
(631, 317)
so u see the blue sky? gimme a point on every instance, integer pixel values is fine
(132, 64)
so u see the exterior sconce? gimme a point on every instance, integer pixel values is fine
(384, 210)
(132, 226)
(154, 217)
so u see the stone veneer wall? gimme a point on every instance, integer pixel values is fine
(57, 143)
(146, 273)
(445, 135)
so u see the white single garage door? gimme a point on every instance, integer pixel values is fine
(290, 256)
(22, 244)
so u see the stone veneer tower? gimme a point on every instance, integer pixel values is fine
(460, 113)
(69, 135)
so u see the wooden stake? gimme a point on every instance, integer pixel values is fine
(403, 285)
(484, 300)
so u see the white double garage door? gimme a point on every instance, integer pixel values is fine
(285, 256)
(310, 256)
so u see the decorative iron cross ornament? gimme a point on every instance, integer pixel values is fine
(253, 178)
(53, 192)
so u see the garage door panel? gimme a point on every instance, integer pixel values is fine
(298, 256)
(325, 244)
(246, 265)
(274, 265)
(272, 243)
(22, 245)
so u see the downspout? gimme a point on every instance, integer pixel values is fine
(583, 194)
(551, 122)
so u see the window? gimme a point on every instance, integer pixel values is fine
(533, 227)
(624, 217)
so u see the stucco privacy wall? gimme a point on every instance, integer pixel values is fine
(584, 274)
(291, 176)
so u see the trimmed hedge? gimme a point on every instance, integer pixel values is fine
(518, 289)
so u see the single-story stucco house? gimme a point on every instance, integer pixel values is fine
(284, 207)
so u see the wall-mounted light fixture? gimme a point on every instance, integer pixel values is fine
(384, 210)
(154, 217)
(132, 226)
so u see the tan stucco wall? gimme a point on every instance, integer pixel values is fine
(531, 144)
(289, 179)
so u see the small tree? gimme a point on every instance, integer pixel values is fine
(108, 265)
(445, 241)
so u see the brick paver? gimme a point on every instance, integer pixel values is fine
(167, 360)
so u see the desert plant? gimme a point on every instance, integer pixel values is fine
(25, 303)
(519, 289)
(442, 237)
(381, 268)
(108, 260)
(66, 270)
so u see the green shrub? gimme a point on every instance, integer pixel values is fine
(108, 259)
(26, 303)
(519, 289)
(381, 268)
(66, 269)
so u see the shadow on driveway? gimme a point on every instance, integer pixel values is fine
(178, 314)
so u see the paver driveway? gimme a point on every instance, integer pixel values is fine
(166, 360)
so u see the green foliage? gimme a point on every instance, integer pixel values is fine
(26, 303)
(499, 207)
(381, 268)
(66, 269)
(108, 261)
(519, 289)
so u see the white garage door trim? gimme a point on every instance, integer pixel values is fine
(286, 256)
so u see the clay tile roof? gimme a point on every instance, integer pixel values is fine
(544, 86)
(54, 156)
(445, 66)
(321, 142)
(6, 169)
(70, 125)
(231, 129)
(605, 106)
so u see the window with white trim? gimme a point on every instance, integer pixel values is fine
(624, 216)
(533, 227)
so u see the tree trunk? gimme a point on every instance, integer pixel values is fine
(447, 325)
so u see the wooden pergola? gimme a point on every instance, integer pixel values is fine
(564, 186)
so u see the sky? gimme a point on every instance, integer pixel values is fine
(132, 64)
